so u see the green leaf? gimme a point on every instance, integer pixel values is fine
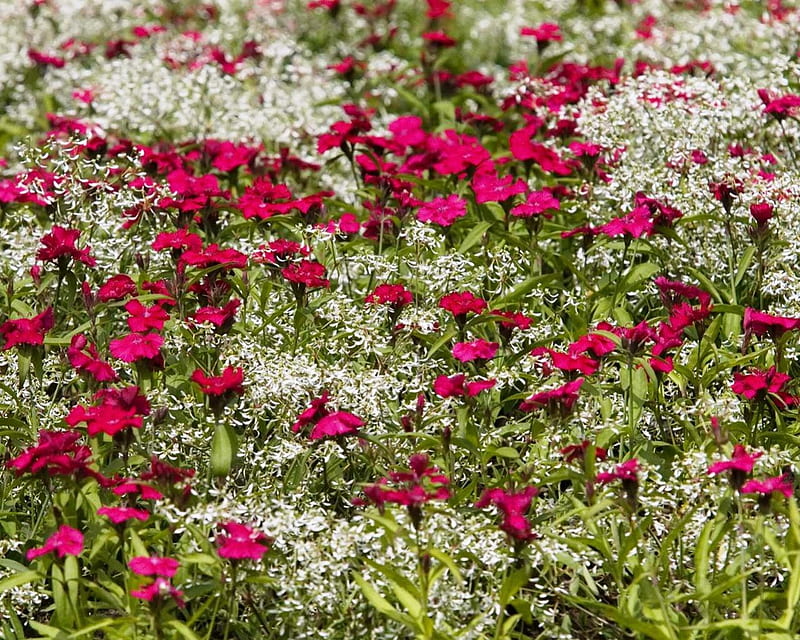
(18, 579)
(381, 604)
(182, 629)
(474, 236)
(513, 582)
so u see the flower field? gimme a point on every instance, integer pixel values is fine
(399, 319)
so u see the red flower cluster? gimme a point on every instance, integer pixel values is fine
(513, 506)
(326, 423)
(240, 542)
(27, 330)
(65, 542)
(59, 246)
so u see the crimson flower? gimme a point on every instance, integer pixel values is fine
(513, 506)
(65, 542)
(117, 287)
(411, 488)
(118, 515)
(240, 542)
(479, 349)
(443, 211)
(556, 402)
(181, 240)
(758, 323)
(757, 385)
(84, 357)
(461, 303)
(60, 243)
(306, 273)
(626, 472)
(489, 187)
(56, 453)
(779, 107)
(136, 346)
(537, 203)
(27, 330)
(761, 212)
(577, 452)
(158, 590)
(768, 486)
(338, 423)
(740, 465)
(230, 382)
(393, 294)
(545, 32)
(456, 386)
(144, 318)
(567, 362)
(154, 566)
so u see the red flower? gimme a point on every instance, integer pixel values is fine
(768, 486)
(443, 211)
(559, 401)
(780, 107)
(27, 330)
(157, 590)
(306, 272)
(575, 452)
(394, 294)
(461, 303)
(762, 212)
(136, 346)
(537, 202)
(489, 187)
(759, 324)
(57, 453)
(567, 362)
(116, 288)
(740, 461)
(145, 318)
(758, 385)
(421, 483)
(229, 382)
(545, 32)
(241, 542)
(118, 515)
(182, 239)
(456, 386)
(479, 349)
(338, 423)
(84, 357)
(60, 243)
(65, 542)
(514, 506)
(626, 472)
(154, 566)
(212, 255)
(107, 419)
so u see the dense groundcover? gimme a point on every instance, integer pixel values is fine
(399, 319)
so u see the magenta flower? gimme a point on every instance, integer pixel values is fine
(240, 542)
(513, 506)
(456, 386)
(739, 466)
(230, 382)
(625, 472)
(60, 243)
(559, 401)
(154, 566)
(84, 357)
(537, 203)
(479, 349)
(566, 362)
(338, 423)
(757, 385)
(27, 330)
(411, 488)
(117, 288)
(158, 590)
(136, 346)
(392, 294)
(461, 303)
(307, 273)
(758, 323)
(144, 318)
(443, 211)
(768, 486)
(65, 542)
(118, 515)
(489, 187)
